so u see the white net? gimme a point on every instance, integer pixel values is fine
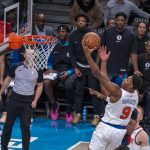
(38, 53)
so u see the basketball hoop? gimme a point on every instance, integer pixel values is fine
(38, 48)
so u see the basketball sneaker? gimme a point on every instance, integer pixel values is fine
(55, 111)
(76, 118)
(95, 120)
(68, 117)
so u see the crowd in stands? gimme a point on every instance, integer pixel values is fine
(129, 46)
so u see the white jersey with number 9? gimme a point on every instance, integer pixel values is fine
(119, 113)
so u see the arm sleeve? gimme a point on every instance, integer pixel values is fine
(40, 76)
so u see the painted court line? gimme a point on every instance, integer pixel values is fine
(77, 144)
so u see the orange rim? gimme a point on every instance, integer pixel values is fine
(16, 41)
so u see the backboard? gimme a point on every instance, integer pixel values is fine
(15, 16)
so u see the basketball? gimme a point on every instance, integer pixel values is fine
(91, 40)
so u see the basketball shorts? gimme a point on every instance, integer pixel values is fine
(106, 137)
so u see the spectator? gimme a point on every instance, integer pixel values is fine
(141, 37)
(122, 44)
(111, 22)
(115, 6)
(61, 65)
(139, 138)
(89, 7)
(40, 28)
(144, 67)
(83, 71)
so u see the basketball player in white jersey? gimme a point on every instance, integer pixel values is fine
(131, 125)
(139, 138)
(110, 132)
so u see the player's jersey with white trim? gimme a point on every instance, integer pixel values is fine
(119, 113)
(133, 144)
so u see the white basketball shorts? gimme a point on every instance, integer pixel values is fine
(106, 137)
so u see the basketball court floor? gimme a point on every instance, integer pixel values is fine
(53, 135)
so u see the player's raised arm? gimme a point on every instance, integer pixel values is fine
(112, 88)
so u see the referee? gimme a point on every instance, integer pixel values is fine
(21, 101)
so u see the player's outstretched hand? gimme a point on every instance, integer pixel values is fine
(86, 49)
(103, 53)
